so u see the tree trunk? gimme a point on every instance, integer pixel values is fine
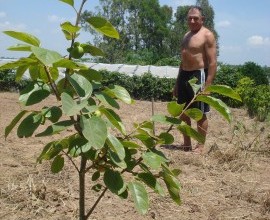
(82, 189)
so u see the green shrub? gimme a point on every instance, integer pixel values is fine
(254, 72)
(144, 87)
(255, 98)
(168, 61)
(228, 75)
(8, 82)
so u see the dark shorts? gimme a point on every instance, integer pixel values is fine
(185, 92)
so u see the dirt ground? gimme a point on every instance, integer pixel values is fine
(231, 180)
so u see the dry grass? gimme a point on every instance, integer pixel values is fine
(230, 181)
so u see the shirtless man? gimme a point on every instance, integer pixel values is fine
(198, 58)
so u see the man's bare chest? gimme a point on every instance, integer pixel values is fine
(193, 43)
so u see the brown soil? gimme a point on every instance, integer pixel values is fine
(230, 181)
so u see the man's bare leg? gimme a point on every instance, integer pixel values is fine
(187, 141)
(202, 126)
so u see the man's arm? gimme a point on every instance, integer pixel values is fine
(211, 54)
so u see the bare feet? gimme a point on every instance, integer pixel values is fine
(198, 149)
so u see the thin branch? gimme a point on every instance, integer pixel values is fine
(79, 12)
(88, 168)
(171, 127)
(54, 88)
(96, 203)
(71, 161)
(104, 191)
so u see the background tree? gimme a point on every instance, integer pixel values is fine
(179, 29)
(150, 33)
(144, 27)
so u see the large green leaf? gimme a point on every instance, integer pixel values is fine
(116, 146)
(68, 104)
(107, 100)
(146, 128)
(13, 123)
(103, 26)
(217, 104)
(70, 107)
(19, 72)
(165, 119)
(54, 73)
(94, 51)
(114, 181)
(67, 26)
(194, 113)
(174, 108)
(91, 75)
(94, 130)
(78, 145)
(166, 138)
(130, 145)
(114, 119)
(195, 87)
(69, 64)
(116, 160)
(224, 90)
(140, 196)
(69, 2)
(56, 128)
(150, 180)
(120, 93)
(173, 187)
(34, 93)
(57, 164)
(28, 126)
(81, 85)
(47, 57)
(153, 160)
(18, 63)
(34, 72)
(25, 37)
(189, 131)
(53, 113)
(52, 149)
(20, 47)
(146, 140)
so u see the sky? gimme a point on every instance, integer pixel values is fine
(242, 25)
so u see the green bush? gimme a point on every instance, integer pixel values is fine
(255, 98)
(168, 61)
(144, 87)
(255, 72)
(8, 82)
(228, 75)
(147, 87)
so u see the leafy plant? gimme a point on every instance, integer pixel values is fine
(100, 143)
(255, 72)
(8, 81)
(144, 87)
(255, 98)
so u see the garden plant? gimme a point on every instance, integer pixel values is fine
(129, 164)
